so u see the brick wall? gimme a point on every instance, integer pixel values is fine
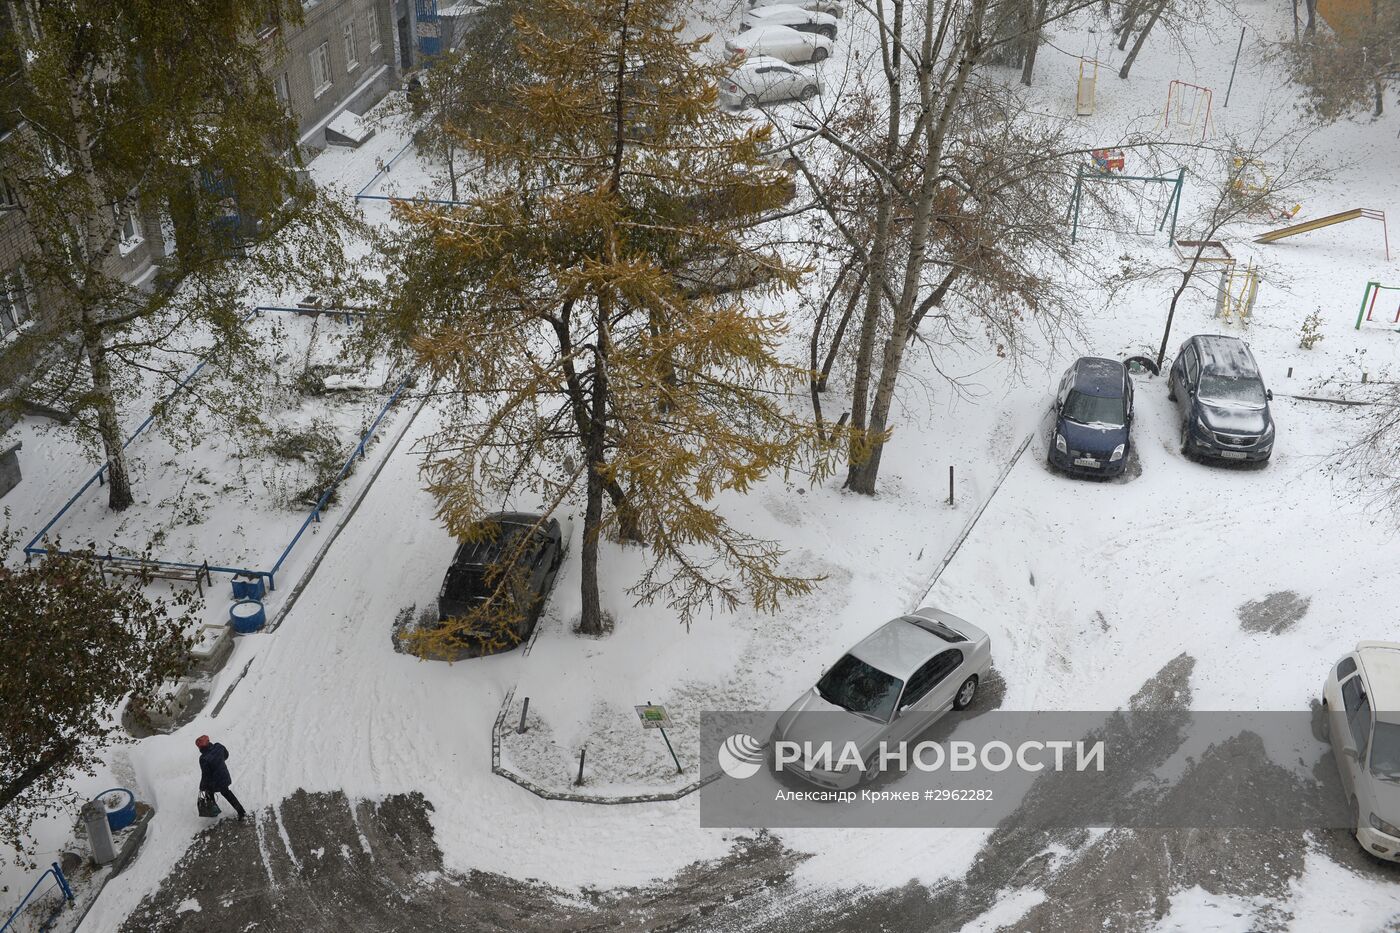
(289, 60)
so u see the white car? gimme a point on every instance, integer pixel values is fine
(795, 17)
(1361, 705)
(762, 78)
(780, 42)
(829, 7)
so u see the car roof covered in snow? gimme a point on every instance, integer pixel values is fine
(1094, 375)
(1381, 662)
(760, 61)
(1228, 356)
(772, 12)
(898, 647)
(766, 29)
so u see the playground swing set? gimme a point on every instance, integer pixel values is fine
(1188, 108)
(1108, 168)
(1368, 303)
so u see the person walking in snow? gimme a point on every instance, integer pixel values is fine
(213, 773)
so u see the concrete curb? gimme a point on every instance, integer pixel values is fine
(543, 793)
(971, 522)
(339, 526)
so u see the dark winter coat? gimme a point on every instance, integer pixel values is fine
(213, 773)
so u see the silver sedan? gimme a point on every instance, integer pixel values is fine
(889, 688)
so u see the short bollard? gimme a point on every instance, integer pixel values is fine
(524, 711)
(581, 752)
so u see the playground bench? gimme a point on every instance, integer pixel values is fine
(135, 567)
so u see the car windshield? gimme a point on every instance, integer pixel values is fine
(856, 686)
(1094, 409)
(1385, 751)
(1241, 391)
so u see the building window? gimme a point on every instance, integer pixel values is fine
(351, 60)
(14, 303)
(283, 91)
(373, 25)
(129, 231)
(321, 68)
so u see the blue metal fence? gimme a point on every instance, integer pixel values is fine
(60, 881)
(32, 549)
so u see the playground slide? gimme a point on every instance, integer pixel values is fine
(1310, 225)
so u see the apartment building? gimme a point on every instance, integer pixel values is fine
(344, 56)
(23, 306)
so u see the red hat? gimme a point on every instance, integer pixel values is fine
(202, 741)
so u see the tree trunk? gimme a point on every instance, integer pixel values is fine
(591, 618)
(1032, 40)
(1176, 297)
(1130, 17)
(109, 425)
(876, 279)
(452, 169)
(840, 335)
(863, 475)
(1311, 27)
(1142, 38)
(865, 348)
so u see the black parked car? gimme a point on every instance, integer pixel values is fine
(1224, 405)
(1093, 417)
(516, 556)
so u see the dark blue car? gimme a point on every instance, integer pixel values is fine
(1093, 415)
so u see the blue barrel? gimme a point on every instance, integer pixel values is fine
(120, 805)
(248, 587)
(247, 616)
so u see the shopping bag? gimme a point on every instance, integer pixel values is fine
(208, 806)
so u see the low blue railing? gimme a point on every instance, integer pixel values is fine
(360, 195)
(32, 549)
(416, 199)
(62, 883)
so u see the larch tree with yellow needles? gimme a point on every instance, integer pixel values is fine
(594, 310)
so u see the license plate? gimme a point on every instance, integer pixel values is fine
(1232, 454)
(1085, 461)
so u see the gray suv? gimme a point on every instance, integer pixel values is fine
(1224, 405)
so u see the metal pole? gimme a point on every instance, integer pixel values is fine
(581, 752)
(1231, 85)
(950, 484)
(523, 711)
(679, 769)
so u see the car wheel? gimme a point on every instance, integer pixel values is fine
(1171, 390)
(749, 102)
(966, 693)
(1355, 816)
(819, 55)
(1186, 440)
(808, 92)
(829, 32)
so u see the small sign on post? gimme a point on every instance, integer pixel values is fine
(655, 717)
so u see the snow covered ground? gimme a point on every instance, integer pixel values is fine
(1089, 591)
